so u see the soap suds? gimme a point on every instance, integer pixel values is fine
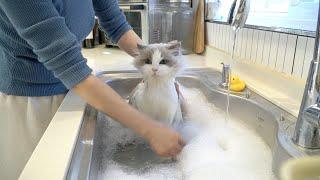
(214, 150)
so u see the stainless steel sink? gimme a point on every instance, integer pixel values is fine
(273, 124)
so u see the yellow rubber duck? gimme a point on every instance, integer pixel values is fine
(236, 84)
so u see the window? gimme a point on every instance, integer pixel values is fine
(292, 14)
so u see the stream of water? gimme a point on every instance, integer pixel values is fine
(234, 33)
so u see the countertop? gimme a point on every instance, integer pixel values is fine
(53, 153)
(104, 59)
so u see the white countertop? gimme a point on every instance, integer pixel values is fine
(106, 59)
(51, 157)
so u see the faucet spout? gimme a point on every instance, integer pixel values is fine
(225, 78)
(238, 13)
(307, 130)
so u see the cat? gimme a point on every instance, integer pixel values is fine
(158, 95)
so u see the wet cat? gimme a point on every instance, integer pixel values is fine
(158, 95)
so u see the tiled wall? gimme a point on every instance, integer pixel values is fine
(286, 53)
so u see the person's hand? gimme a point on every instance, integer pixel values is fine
(165, 141)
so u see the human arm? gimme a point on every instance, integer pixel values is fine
(128, 42)
(163, 140)
(113, 22)
(60, 52)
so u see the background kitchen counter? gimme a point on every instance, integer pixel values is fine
(51, 157)
(106, 59)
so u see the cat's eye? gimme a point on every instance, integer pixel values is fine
(164, 61)
(148, 61)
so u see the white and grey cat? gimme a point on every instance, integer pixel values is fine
(158, 94)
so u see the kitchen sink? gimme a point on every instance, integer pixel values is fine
(271, 123)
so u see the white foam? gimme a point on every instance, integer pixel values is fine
(161, 172)
(214, 150)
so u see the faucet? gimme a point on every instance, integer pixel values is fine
(307, 130)
(225, 78)
(238, 13)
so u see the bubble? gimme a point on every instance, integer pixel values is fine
(214, 150)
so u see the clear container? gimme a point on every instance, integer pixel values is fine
(172, 21)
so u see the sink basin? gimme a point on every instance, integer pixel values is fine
(271, 123)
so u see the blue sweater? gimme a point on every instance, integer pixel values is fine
(40, 42)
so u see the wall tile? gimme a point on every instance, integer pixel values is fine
(289, 57)
(290, 54)
(308, 57)
(231, 39)
(274, 50)
(232, 36)
(214, 37)
(220, 36)
(244, 43)
(254, 48)
(266, 48)
(299, 56)
(260, 47)
(281, 51)
(249, 44)
(238, 43)
(209, 33)
(226, 47)
(223, 37)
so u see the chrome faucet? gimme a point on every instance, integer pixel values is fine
(237, 18)
(238, 13)
(225, 78)
(307, 130)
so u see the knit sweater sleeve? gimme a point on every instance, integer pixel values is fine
(111, 18)
(39, 23)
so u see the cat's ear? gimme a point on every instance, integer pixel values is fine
(141, 46)
(174, 47)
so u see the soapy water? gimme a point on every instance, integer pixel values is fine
(214, 150)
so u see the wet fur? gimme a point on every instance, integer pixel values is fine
(158, 94)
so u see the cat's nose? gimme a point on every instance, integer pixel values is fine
(154, 69)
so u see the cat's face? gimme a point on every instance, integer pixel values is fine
(156, 61)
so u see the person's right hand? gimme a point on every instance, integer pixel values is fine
(165, 141)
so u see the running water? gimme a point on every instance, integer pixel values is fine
(234, 31)
(213, 151)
